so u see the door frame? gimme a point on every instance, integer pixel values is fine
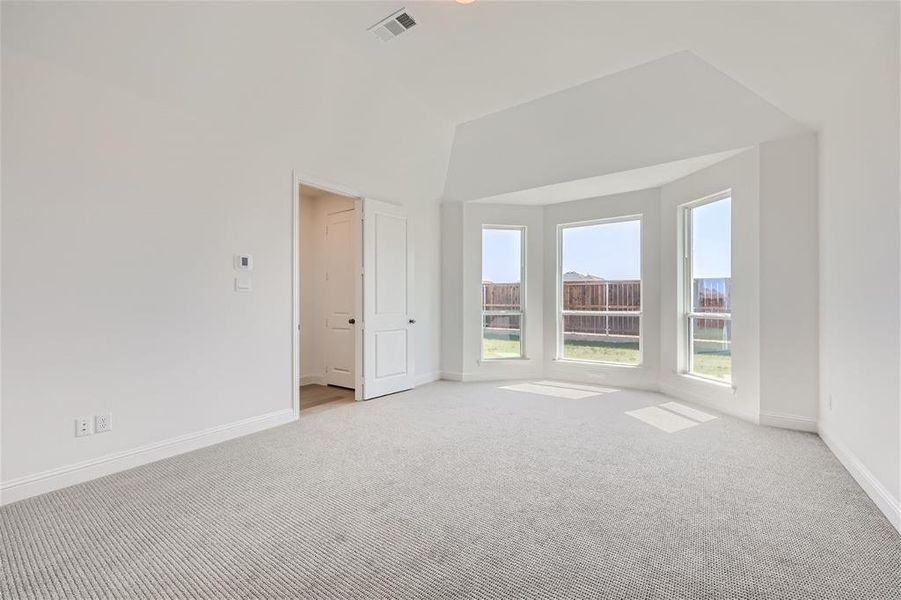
(298, 179)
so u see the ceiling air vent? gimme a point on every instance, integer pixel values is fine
(389, 28)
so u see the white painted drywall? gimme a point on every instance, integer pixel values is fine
(451, 291)
(312, 367)
(666, 110)
(740, 174)
(789, 296)
(859, 275)
(313, 311)
(425, 240)
(131, 177)
(645, 203)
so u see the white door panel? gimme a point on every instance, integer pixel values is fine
(390, 353)
(387, 347)
(339, 296)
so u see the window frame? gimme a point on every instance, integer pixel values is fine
(686, 310)
(522, 294)
(561, 227)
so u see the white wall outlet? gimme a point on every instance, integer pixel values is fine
(83, 426)
(103, 423)
(829, 401)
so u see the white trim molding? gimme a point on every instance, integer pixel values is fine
(312, 380)
(61, 477)
(788, 421)
(424, 378)
(888, 504)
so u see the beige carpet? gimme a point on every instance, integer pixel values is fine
(466, 490)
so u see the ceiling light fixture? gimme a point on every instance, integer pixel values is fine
(465, 1)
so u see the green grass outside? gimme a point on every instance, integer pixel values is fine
(623, 353)
(500, 348)
(717, 365)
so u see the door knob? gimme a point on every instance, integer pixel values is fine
(351, 321)
(412, 321)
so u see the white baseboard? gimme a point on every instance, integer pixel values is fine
(451, 376)
(888, 504)
(788, 421)
(312, 380)
(54, 479)
(424, 378)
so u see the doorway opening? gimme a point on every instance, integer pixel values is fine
(352, 323)
(330, 298)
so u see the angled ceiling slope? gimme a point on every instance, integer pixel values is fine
(667, 110)
(611, 183)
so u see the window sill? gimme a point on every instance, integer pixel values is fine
(596, 363)
(503, 360)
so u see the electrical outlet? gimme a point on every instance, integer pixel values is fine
(830, 402)
(83, 426)
(103, 423)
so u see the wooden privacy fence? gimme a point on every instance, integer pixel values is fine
(500, 296)
(709, 295)
(602, 295)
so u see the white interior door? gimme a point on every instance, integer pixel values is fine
(387, 323)
(340, 276)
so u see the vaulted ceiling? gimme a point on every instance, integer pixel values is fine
(467, 61)
(310, 73)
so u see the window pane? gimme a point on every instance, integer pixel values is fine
(601, 338)
(602, 266)
(711, 348)
(711, 256)
(502, 336)
(501, 269)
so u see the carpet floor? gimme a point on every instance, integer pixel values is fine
(466, 490)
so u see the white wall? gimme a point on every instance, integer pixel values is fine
(313, 311)
(312, 365)
(741, 175)
(647, 204)
(789, 280)
(425, 237)
(859, 277)
(130, 178)
(451, 290)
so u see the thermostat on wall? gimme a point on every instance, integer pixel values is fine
(243, 262)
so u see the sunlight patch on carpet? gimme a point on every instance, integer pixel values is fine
(550, 390)
(663, 420)
(687, 411)
(578, 386)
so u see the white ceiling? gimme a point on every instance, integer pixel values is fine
(613, 183)
(467, 61)
(307, 81)
(667, 110)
